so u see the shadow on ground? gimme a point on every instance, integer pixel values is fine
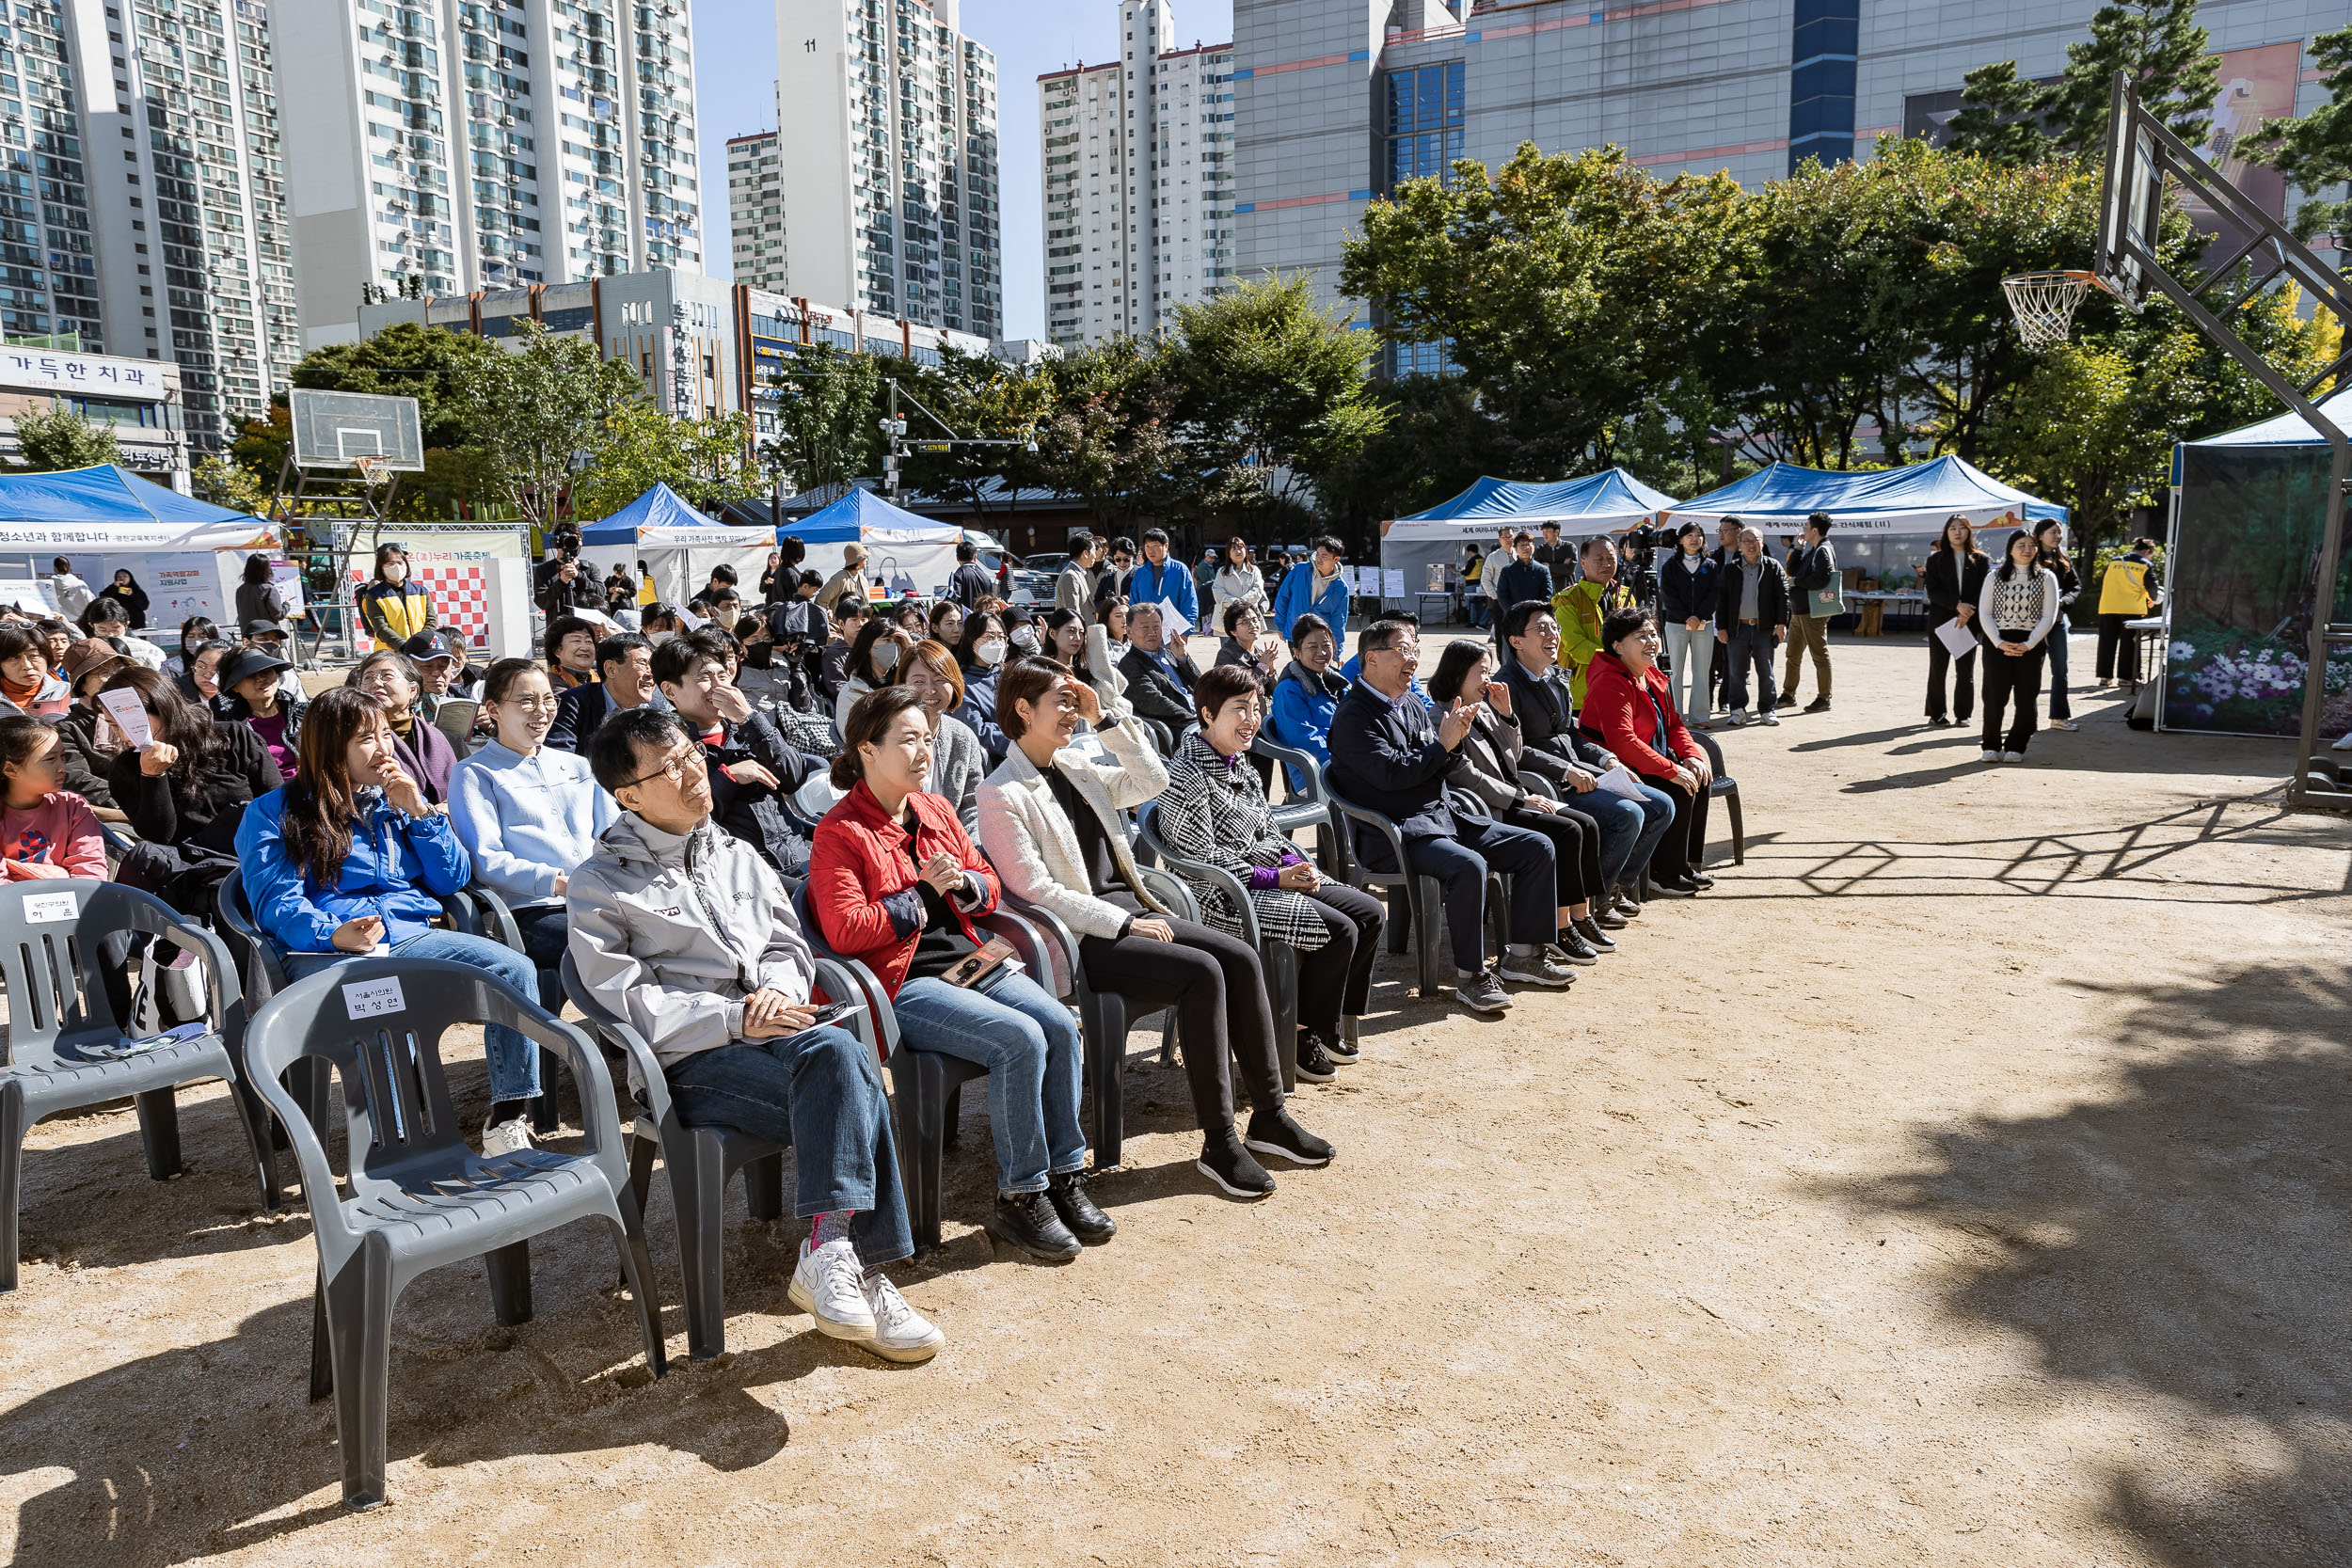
(2186, 1238)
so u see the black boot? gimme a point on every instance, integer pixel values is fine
(1028, 1221)
(1224, 1162)
(1077, 1210)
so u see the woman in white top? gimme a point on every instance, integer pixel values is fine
(1238, 582)
(2015, 615)
(528, 814)
(874, 660)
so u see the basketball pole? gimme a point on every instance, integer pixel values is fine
(2127, 235)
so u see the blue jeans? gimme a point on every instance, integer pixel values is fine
(514, 1060)
(1029, 1044)
(820, 1091)
(1630, 830)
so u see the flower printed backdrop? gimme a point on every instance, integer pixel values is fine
(2242, 569)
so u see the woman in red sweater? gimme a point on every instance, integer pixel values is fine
(894, 882)
(45, 828)
(1629, 708)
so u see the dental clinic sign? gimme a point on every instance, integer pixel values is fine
(91, 374)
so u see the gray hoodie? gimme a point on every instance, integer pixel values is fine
(673, 933)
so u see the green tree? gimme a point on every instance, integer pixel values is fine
(2314, 153)
(432, 364)
(1434, 443)
(706, 460)
(826, 431)
(223, 482)
(2000, 117)
(2092, 427)
(1111, 439)
(532, 410)
(59, 439)
(982, 398)
(2157, 43)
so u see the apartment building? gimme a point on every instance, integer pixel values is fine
(756, 210)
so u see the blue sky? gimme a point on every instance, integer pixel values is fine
(734, 64)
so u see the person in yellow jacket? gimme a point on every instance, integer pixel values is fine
(393, 608)
(2127, 590)
(1582, 605)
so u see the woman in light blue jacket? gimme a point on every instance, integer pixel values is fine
(528, 814)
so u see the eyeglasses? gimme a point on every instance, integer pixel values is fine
(674, 767)
(549, 701)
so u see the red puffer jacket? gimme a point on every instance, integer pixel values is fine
(862, 880)
(1635, 720)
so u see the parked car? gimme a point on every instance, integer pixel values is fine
(1033, 580)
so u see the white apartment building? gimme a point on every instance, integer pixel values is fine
(756, 210)
(483, 144)
(1137, 157)
(891, 190)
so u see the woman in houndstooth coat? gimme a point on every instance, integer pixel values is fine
(1215, 811)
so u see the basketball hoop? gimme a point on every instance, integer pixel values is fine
(373, 470)
(2046, 302)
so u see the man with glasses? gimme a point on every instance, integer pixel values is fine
(1389, 756)
(683, 930)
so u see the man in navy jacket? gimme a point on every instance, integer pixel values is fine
(1389, 756)
(624, 671)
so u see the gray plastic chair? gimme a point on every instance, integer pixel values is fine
(1278, 957)
(1727, 788)
(67, 1049)
(1416, 904)
(419, 1197)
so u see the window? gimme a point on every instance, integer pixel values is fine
(1425, 122)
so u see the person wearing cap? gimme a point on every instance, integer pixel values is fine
(252, 695)
(276, 639)
(89, 736)
(849, 581)
(436, 669)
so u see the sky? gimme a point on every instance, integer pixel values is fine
(735, 69)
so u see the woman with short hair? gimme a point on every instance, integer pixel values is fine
(424, 751)
(1308, 692)
(1629, 708)
(895, 882)
(571, 652)
(958, 762)
(26, 685)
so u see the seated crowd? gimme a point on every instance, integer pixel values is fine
(669, 807)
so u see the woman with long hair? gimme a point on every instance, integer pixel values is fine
(874, 660)
(126, 592)
(198, 678)
(2015, 611)
(946, 622)
(1065, 638)
(1238, 581)
(895, 881)
(259, 597)
(1953, 578)
(1629, 708)
(348, 860)
(192, 782)
(392, 607)
(2049, 538)
(46, 830)
(424, 751)
(26, 685)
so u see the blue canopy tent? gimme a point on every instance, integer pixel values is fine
(905, 551)
(1606, 503)
(679, 544)
(187, 554)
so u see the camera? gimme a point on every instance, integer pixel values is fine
(1638, 550)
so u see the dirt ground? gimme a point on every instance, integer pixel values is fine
(1964, 1181)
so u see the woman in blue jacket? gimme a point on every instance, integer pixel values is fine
(1307, 693)
(347, 862)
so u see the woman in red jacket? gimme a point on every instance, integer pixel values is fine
(1629, 708)
(894, 882)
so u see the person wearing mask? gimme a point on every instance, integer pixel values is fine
(90, 736)
(351, 860)
(799, 615)
(528, 815)
(1486, 767)
(259, 597)
(1215, 812)
(1315, 587)
(130, 597)
(895, 881)
(1238, 581)
(1686, 612)
(1051, 822)
(1306, 694)
(980, 653)
(1814, 587)
(1629, 708)
(1074, 589)
(422, 750)
(26, 685)
(73, 594)
(970, 582)
(1751, 621)
(1581, 607)
(46, 830)
(846, 585)
(276, 639)
(753, 769)
(1159, 677)
(624, 680)
(873, 664)
(959, 761)
(1162, 580)
(1954, 580)
(774, 677)
(2016, 610)
(1522, 577)
(393, 608)
(194, 631)
(250, 683)
(726, 608)
(1557, 556)
(946, 625)
(689, 935)
(2050, 538)
(832, 664)
(1389, 757)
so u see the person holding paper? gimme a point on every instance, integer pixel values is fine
(1953, 579)
(185, 779)
(1629, 708)
(46, 830)
(895, 882)
(1163, 580)
(1159, 677)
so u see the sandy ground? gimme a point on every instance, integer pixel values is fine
(1966, 1180)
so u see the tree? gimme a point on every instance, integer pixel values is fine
(2157, 43)
(826, 424)
(2314, 153)
(432, 364)
(2000, 117)
(1111, 441)
(531, 409)
(2092, 427)
(982, 398)
(51, 442)
(226, 483)
(706, 460)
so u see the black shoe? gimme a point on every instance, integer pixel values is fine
(1628, 905)
(1028, 1221)
(1784, 702)
(1344, 1050)
(1274, 1132)
(1673, 888)
(1077, 1210)
(1224, 1162)
(1818, 705)
(1314, 1062)
(1595, 937)
(1605, 918)
(1570, 946)
(1939, 721)
(1701, 880)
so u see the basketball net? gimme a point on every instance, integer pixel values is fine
(373, 470)
(2045, 303)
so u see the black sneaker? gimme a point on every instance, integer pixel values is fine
(1628, 905)
(1569, 947)
(1589, 928)
(1314, 1062)
(1344, 1050)
(1672, 888)
(1224, 1162)
(1028, 1221)
(1701, 880)
(1785, 701)
(1274, 1132)
(1068, 1193)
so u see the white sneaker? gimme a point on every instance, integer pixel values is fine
(1990, 756)
(507, 1137)
(2012, 756)
(829, 1285)
(901, 1333)
(1736, 717)
(2067, 725)
(1767, 717)
(2344, 744)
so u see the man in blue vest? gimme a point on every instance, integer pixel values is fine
(1161, 581)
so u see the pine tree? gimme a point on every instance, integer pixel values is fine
(2000, 118)
(2315, 151)
(2158, 43)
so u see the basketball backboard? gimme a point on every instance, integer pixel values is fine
(2131, 207)
(333, 430)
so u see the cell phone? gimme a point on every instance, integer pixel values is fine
(833, 1012)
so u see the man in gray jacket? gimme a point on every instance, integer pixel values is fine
(1073, 590)
(685, 931)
